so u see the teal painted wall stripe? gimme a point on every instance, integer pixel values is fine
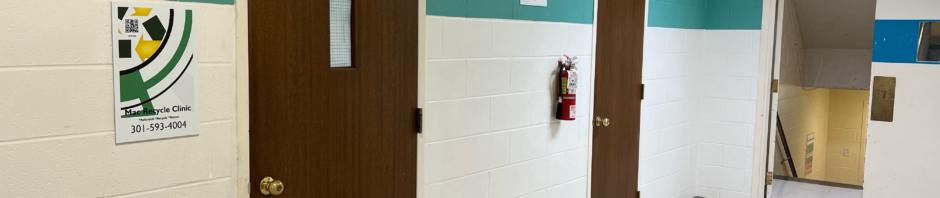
(447, 7)
(689, 14)
(733, 14)
(226, 2)
(571, 11)
(706, 14)
(500, 9)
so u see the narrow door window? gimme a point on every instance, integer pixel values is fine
(340, 33)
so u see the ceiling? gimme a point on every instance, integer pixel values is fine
(846, 24)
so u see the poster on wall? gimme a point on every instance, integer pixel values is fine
(155, 71)
(810, 146)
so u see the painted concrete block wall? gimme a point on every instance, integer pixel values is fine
(700, 68)
(891, 169)
(697, 121)
(803, 110)
(848, 123)
(669, 116)
(490, 129)
(705, 14)
(837, 68)
(687, 14)
(570, 11)
(733, 14)
(728, 106)
(803, 114)
(57, 133)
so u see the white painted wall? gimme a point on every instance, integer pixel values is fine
(56, 136)
(489, 110)
(895, 165)
(697, 126)
(669, 115)
(728, 108)
(837, 68)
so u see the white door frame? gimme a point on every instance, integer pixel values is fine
(766, 100)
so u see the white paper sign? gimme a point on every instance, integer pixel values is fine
(540, 3)
(156, 91)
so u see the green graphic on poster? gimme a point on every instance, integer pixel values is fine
(155, 71)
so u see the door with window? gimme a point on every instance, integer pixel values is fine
(333, 93)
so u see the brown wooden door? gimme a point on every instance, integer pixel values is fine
(333, 132)
(619, 64)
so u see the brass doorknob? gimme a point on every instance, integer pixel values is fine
(269, 186)
(598, 121)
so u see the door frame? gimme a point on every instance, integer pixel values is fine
(766, 107)
(590, 146)
(400, 112)
(243, 189)
(244, 185)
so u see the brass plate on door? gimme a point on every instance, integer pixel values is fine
(882, 98)
(773, 85)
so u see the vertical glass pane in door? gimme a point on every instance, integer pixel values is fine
(340, 33)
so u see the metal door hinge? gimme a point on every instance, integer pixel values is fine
(769, 179)
(637, 194)
(642, 91)
(773, 85)
(419, 117)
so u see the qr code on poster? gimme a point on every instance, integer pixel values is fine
(130, 25)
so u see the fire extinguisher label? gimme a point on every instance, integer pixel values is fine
(571, 112)
(572, 82)
(564, 86)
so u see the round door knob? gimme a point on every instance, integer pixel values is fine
(597, 122)
(606, 121)
(269, 186)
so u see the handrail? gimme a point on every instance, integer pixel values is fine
(786, 146)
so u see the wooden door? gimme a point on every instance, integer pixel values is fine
(619, 65)
(333, 132)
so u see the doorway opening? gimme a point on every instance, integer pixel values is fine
(822, 113)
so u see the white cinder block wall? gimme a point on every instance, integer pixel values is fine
(729, 96)
(57, 131)
(670, 111)
(489, 112)
(697, 124)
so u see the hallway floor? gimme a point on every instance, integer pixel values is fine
(792, 189)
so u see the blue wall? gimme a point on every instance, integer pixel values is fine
(896, 41)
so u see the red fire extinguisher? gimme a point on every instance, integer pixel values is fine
(567, 88)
